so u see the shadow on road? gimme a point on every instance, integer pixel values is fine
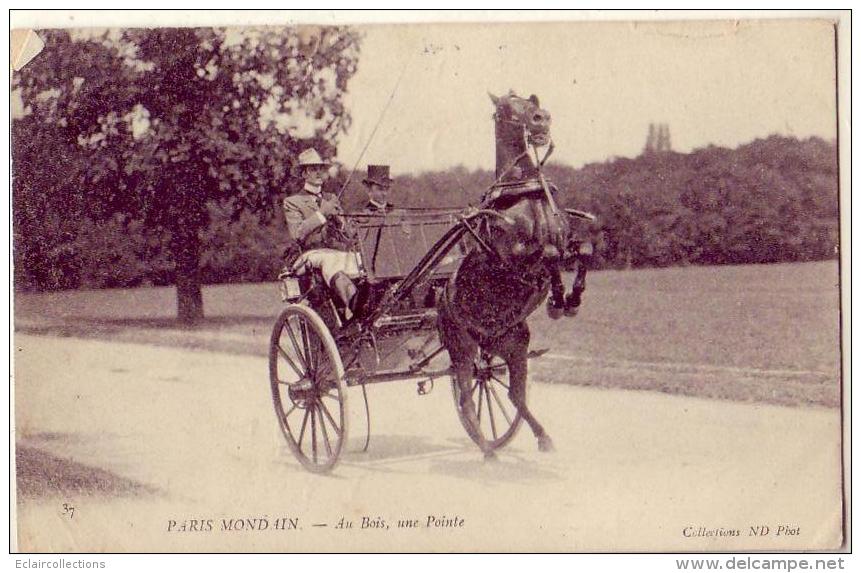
(395, 448)
(507, 468)
(455, 458)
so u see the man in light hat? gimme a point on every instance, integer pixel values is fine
(318, 232)
(378, 183)
(308, 211)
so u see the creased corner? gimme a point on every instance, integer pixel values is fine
(25, 45)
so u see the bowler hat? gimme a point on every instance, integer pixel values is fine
(378, 174)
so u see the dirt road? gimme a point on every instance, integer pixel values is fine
(200, 465)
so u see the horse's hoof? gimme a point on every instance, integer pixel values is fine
(572, 302)
(490, 456)
(554, 312)
(545, 444)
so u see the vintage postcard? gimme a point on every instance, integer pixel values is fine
(511, 282)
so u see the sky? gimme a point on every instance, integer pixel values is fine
(424, 87)
(722, 83)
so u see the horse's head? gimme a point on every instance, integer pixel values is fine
(533, 121)
(531, 229)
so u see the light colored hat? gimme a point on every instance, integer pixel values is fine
(311, 157)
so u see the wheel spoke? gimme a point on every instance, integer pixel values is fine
(504, 385)
(288, 412)
(323, 370)
(480, 398)
(490, 412)
(325, 433)
(302, 431)
(318, 351)
(313, 434)
(501, 406)
(290, 362)
(474, 386)
(306, 345)
(331, 419)
(299, 353)
(301, 383)
(330, 396)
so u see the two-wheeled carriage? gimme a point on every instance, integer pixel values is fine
(441, 293)
(318, 349)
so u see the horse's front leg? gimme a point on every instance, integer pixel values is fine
(556, 300)
(514, 352)
(574, 298)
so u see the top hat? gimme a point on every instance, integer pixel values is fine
(378, 174)
(310, 157)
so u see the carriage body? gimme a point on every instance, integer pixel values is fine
(389, 247)
(406, 258)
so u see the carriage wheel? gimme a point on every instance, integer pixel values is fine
(308, 389)
(498, 418)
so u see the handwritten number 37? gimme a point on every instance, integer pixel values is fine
(69, 509)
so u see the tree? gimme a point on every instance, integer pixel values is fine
(156, 123)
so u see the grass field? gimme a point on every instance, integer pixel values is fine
(763, 333)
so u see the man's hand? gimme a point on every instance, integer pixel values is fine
(330, 207)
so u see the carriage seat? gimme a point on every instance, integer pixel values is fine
(391, 246)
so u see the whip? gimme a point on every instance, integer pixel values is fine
(374, 131)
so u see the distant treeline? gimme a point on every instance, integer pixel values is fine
(773, 200)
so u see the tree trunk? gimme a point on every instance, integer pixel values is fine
(189, 297)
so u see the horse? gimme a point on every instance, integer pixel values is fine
(483, 307)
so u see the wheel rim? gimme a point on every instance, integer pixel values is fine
(498, 418)
(308, 390)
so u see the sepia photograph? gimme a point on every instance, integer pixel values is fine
(296, 282)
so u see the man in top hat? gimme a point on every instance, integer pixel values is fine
(378, 183)
(317, 230)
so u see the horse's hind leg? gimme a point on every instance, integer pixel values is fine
(464, 376)
(514, 353)
(461, 350)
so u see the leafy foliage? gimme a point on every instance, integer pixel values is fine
(772, 200)
(157, 124)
